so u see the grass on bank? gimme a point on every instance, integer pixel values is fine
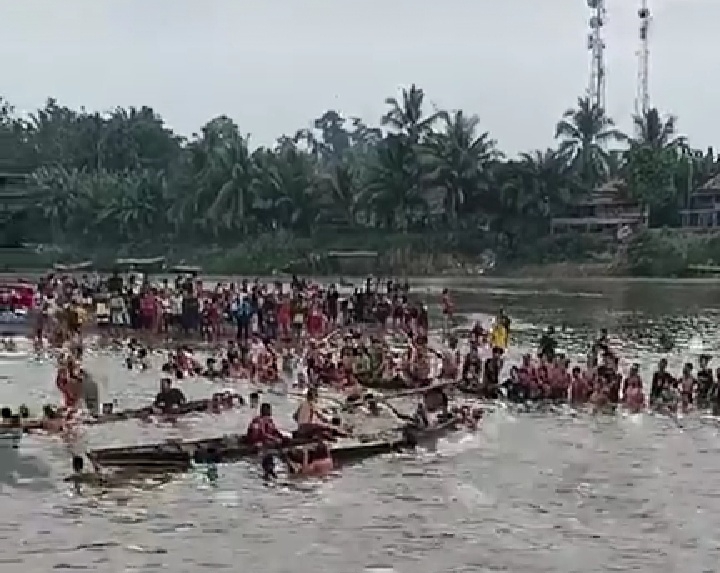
(655, 253)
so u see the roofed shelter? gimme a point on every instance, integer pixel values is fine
(703, 210)
(608, 211)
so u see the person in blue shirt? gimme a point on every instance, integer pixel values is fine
(243, 312)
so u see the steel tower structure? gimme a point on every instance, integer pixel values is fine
(596, 47)
(642, 95)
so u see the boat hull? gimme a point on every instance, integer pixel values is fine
(191, 407)
(234, 448)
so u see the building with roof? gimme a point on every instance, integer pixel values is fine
(703, 210)
(608, 211)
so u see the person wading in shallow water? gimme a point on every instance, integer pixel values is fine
(705, 382)
(311, 461)
(662, 384)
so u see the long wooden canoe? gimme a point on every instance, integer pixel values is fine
(235, 447)
(193, 406)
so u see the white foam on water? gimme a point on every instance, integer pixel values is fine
(469, 495)
(635, 419)
(466, 442)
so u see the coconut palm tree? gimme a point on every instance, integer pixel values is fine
(393, 190)
(456, 160)
(585, 133)
(657, 132)
(406, 116)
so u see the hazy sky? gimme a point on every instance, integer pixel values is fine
(274, 65)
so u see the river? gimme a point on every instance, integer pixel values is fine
(528, 493)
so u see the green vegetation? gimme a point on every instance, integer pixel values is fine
(428, 192)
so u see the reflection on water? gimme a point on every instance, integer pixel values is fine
(555, 494)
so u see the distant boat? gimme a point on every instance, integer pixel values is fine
(10, 438)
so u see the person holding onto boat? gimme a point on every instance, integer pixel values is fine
(169, 397)
(311, 461)
(262, 430)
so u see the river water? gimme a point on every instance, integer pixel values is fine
(528, 493)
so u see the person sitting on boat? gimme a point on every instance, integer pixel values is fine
(313, 461)
(262, 430)
(436, 400)
(420, 418)
(6, 417)
(472, 365)
(52, 422)
(311, 423)
(211, 370)
(169, 397)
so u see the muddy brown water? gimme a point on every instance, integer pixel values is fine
(527, 493)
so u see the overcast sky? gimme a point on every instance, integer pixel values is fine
(274, 65)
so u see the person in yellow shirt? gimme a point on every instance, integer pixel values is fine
(500, 334)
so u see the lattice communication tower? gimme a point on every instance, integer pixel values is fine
(596, 47)
(642, 95)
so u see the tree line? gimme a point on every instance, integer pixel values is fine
(123, 176)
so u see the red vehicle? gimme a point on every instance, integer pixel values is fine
(17, 303)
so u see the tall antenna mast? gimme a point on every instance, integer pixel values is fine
(642, 97)
(596, 46)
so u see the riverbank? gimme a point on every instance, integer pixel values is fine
(662, 253)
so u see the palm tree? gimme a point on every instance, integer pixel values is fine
(585, 133)
(655, 131)
(554, 185)
(456, 160)
(407, 117)
(342, 193)
(393, 193)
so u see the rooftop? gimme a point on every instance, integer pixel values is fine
(611, 193)
(711, 186)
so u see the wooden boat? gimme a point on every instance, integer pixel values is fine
(235, 447)
(191, 407)
(406, 439)
(231, 447)
(368, 380)
(437, 385)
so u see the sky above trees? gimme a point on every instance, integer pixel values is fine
(518, 64)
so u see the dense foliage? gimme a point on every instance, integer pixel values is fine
(124, 177)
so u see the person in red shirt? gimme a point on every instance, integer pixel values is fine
(262, 430)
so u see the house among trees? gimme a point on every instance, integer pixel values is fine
(608, 211)
(703, 210)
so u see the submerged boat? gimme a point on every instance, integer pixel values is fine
(10, 437)
(191, 407)
(235, 447)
